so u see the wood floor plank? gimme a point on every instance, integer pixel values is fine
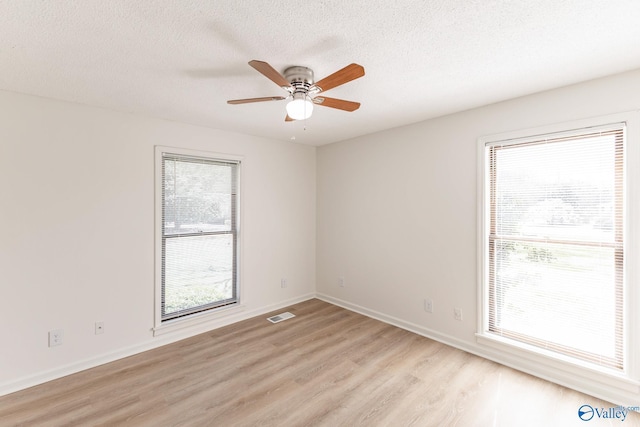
(325, 367)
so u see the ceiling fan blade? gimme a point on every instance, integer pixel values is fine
(248, 100)
(340, 104)
(269, 72)
(340, 77)
(289, 119)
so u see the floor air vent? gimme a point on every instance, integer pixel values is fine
(280, 317)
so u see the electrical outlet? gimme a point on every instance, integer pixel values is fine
(457, 313)
(341, 281)
(99, 328)
(283, 283)
(55, 337)
(428, 305)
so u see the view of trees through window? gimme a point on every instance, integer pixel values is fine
(199, 235)
(555, 244)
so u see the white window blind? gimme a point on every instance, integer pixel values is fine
(555, 242)
(199, 234)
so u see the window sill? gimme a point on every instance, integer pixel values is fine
(534, 358)
(199, 319)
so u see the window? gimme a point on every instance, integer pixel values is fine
(554, 261)
(199, 234)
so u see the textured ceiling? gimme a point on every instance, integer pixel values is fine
(181, 60)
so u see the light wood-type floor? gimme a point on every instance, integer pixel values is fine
(326, 367)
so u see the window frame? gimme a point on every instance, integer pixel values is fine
(162, 326)
(492, 150)
(536, 359)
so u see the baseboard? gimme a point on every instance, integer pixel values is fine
(411, 327)
(618, 395)
(154, 342)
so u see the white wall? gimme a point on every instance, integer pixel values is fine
(77, 240)
(397, 215)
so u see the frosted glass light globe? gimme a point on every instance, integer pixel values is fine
(300, 107)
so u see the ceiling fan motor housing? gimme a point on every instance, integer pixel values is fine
(301, 78)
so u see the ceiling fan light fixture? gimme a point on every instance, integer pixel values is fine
(299, 83)
(300, 107)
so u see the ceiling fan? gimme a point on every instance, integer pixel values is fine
(303, 91)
